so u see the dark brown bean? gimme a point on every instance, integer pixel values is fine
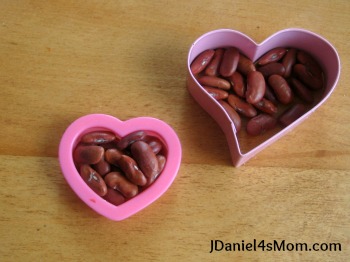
(272, 56)
(112, 156)
(245, 65)
(229, 61)
(131, 138)
(93, 180)
(281, 89)
(131, 170)
(305, 76)
(292, 114)
(117, 181)
(310, 63)
(272, 69)
(201, 61)
(233, 115)
(216, 93)
(99, 137)
(302, 91)
(114, 197)
(269, 95)
(241, 106)
(213, 67)
(288, 61)
(102, 167)
(266, 106)
(155, 144)
(145, 159)
(238, 84)
(214, 81)
(260, 124)
(255, 87)
(88, 154)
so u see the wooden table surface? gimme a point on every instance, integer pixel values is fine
(64, 59)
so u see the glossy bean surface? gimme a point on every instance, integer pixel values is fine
(255, 87)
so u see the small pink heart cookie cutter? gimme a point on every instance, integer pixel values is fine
(302, 39)
(100, 122)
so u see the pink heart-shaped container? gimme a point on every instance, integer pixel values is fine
(301, 39)
(95, 122)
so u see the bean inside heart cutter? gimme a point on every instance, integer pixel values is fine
(98, 122)
(301, 39)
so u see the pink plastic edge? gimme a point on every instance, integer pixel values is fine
(293, 37)
(121, 128)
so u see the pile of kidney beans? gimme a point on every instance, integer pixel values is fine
(276, 89)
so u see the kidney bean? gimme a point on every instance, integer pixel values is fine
(161, 163)
(112, 156)
(155, 144)
(266, 106)
(145, 159)
(216, 93)
(233, 115)
(117, 181)
(272, 56)
(281, 89)
(273, 68)
(310, 63)
(302, 91)
(88, 154)
(213, 67)
(238, 84)
(255, 87)
(269, 95)
(102, 167)
(288, 61)
(229, 61)
(201, 61)
(292, 114)
(305, 76)
(93, 180)
(99, 137)
(131, 138)
(214, 81)
(241, 106)
(245, 65)
(132, 170)
(260, 124)
(114, 197)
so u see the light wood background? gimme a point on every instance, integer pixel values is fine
(64, 59)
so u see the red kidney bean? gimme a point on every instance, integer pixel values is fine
(260, 124)
(255, 87)
(233, 115)
(273, 68)
(216, 93)
(131, 138)
(102, 167)
(88, 154)
(305, 76)
(281, 89)
(302, 91)
(214, 81)
(229, 61)
(269, 95)
(238, 84)
(132, 170)
(213, 67)
(161, 162)
(99, 137)
(145, 159)
(266, 106)
(93, 180)
(155, 144)
(241, 106)
(114, 197)
(288, 61)
(117, 181)
(272, 56)
(201, 61)
(292, 114)
(112, 156)
(245, 65)
(310, 63)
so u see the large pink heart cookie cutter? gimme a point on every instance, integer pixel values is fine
(301, 39)
(95, 122)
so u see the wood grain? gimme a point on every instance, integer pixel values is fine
(64, 59)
